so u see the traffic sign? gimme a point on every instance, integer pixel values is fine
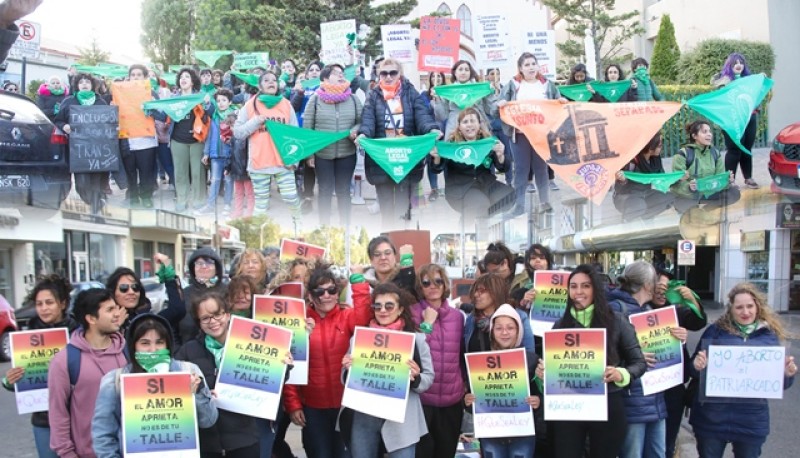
(30, 37)
(686, 252)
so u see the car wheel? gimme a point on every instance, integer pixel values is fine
(5, 346)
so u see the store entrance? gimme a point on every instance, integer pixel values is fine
(700, 277)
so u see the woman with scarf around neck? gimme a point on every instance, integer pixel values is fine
(748, 320)
(394, 108)
(391, 310)
(89, 186)
(636, 200)
(50, 296)
(447, 112)
(587, 308)
(239, 295)
(265, 163)
(443, 326)
(613, 73)
(428, 96)
(149, 340)
(50, 95)
(334, 108)
(489, 292)
(646, 90)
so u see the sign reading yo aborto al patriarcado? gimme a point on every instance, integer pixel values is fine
(94, 139)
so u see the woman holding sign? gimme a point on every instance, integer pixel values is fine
(744, 423)
(51, 297)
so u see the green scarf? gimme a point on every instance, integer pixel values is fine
(210, 58)
(59, 91)
(215, 348)
(464, 94)
(642, 75)
(85, 97)
(473, 153)
(154, 362)
(270, 100)
(674, 297)
(295, 144)
(713, 184)
(310, 84)
(220, 115)
(248, 78)
(241, 313)
(659, 181)
(176, 107)
(746, 329)
(165, 273)
(584, 317)
(209, 89)
(154, 84)
(399, 155)
(612, 91)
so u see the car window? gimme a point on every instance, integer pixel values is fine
(22, 110)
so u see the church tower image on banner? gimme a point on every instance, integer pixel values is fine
(580, 138)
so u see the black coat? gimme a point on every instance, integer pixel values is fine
(460, 178)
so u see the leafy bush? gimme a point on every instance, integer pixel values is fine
(33, 88)
(664, 64)
(699, 65)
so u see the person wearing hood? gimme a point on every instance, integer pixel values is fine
(50, 95)
(50, 296)
(385, 267)
(102, 349)
(205, 274)
(149, 340)
(646, 90)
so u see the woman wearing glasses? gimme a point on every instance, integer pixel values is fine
(315, 406)
(387, 267)
(443, 326)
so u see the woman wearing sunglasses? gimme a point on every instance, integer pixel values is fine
(315, 406)
(443, 326)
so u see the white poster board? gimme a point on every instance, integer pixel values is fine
(492, 41)
(542, 43)
(736, 371)
(333, 36)
(398, 43)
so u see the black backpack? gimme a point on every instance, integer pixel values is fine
(689, 155)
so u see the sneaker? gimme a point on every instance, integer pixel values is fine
(433, 195)
(554, 186)
(531, 188)
(751, 183)
(226, 208)
(357, 200)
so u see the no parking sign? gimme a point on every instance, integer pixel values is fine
(686, 252)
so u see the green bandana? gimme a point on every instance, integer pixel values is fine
(165, 273)
(241, 313)
(270, 100)
(210, 57)
(350, 72)
(59, 91)
(310, 84)
(398, 156)
(176, 107)
(215, 348)
(464, 95)
(248, 78)
(220, 115)
(295, 144)
(659, 181)
(642, 75)
(155, 361)
(612, 91)
(104, 71)
(154, 83)
(674, 297)
(472, 153)
(746, 329)
(85, 97)
(209, 89)
(713, 184)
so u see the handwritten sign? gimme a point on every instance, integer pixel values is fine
(33, 350)
(252, 371)
(736, 371)
(439, 40)
(288, 313)
(574, 362)
(245, 61)
(333, 36)
(292, 249)
(653, 331)
(550, 302)
(398, 43)
(542, 43)
(94, 139)
(499, 381)
(378, 381)
(492, 41)
(158, 415)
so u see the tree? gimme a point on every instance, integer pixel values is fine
(93, 55)
(700, 64)
(664, 64)
(167, 29)
(609, 32)
(250, 231)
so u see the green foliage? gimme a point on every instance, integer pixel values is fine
(93, 55)
(664, 64)
(699, 65)
(333, 239)
(167, 27)
(33, 88)
(250, 231)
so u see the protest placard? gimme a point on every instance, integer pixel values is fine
(542, 43)
(333, 36)
(499, 381)
(492, 41)
(158, 416)
(439, 39)
(550, 301)
(741, 371)
(398, 43)
(291, 289)
(378, 381)
(574, 362)
(288, 313)
(129, 96)
(94, 138)
(292, 249)
(33, 351)
(248, 60)
(653, 331)
(252, 371)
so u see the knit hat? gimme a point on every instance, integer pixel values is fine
(511, 312)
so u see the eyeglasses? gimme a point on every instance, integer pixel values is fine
(388, 306)
(331, 290)
(392, 73)
(385, 253)
(202, 264)
(337, 73)
(216, 317)
(123, 287)
(428, 283)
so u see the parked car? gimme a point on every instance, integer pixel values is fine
(34, 167)
(156, 292)
(28, 309)
(784, 161)
(8, 324)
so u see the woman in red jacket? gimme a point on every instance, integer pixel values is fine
(315, 406)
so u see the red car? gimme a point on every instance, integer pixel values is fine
(8, 324)
(784, 161)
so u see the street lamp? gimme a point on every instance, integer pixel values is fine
(261, 235)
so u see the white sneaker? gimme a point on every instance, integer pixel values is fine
(357, 200)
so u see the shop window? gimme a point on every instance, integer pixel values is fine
(143, 258)
(465, 16)
(50, 258)
(103, 259)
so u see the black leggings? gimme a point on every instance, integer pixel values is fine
(605, 437)
(735, 156)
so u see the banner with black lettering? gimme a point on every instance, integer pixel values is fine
(288, 313)
(653, 329)
(93, 138)
(33, 351)
(742, 373)
(574, 363)
(292, 249)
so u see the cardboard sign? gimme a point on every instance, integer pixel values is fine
(550, 302)
(574, 362)
(439, 40)
(292, 249)
(33, 350)
(653, 331)
(94, 139)
(129, 96)
(333, 36)
(738, 371)
(492, 41)
(288, 313)
(398, 43)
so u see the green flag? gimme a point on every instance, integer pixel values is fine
(399, 155)
(210, 57)
(675, 297)
(659, 181)
(270, 100)
(295, 143)
(310, 84)
(170, 78)
(472, 153)
(248, 78)
(350, 72)
(176, 68)
(176, 107)
(612, 91)
(731, 107)
(464, 95)
(104, 71)
(714, 183)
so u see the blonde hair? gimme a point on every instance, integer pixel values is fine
(763, 311)
(252, 253)
(392, 61)
(456, 136)
(285, 274)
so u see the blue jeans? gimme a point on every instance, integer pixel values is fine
(365, 441)
(320, 438)
(711, 447)
(645, 440)
(509, 447)
(334, 174)
(218, 175)
(526, 160)
(41, 436)
(266, 434)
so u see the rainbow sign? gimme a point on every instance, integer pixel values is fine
(653, 331)
(33, 350)
(378, 381)
(252, 371)
(550, 302)
(574, 362)
(158, 415)
(499, 381)
(291, 289)
(288, 313)
(292, 249)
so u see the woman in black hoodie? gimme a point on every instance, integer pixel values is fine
(205, 274)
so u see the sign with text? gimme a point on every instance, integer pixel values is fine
(499, 381)
(653, 331)
(292, 249)
(398, 43)
(33, 351)
(158, 416)
(378, 380)
(439, 39)
(542, 43)
(246, 61)
(574, 362)
(252, 371)
(333, 36)
(739, 371)
(550, 301)
(28, 42)
(492, 41)
(288, 313)
(291, 289)
(686, 252)
(94, 138)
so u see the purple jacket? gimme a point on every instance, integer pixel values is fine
(447, 351)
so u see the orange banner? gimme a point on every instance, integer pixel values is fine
(129, 97)
(587, 143)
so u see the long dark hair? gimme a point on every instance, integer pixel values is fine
(116, 275)
(405, 299)
(498, 252)
(141, 326)
(603, 316)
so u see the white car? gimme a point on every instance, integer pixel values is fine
(157, 293)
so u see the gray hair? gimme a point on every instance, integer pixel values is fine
(636, 275)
